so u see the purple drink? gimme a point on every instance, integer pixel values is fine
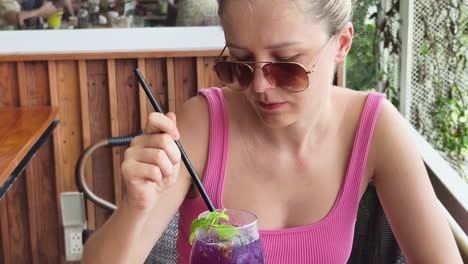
(227, 253)
(211, 245)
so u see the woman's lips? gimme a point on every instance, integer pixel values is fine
(271, 106)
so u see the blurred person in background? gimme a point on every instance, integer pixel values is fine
(14, 14)
(197, 13)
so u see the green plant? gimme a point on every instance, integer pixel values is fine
(375, 35)
(450, 117)
(362, 61)
(446, 51)
(388, 34)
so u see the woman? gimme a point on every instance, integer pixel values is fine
(284, 143)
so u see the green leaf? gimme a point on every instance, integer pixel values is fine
(226, 232)
(454, 117)
(196, 224)
(425, 48)
(212, 220)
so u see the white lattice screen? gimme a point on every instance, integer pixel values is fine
(431, 15)
(433, 70)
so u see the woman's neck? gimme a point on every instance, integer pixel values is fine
(302, 135)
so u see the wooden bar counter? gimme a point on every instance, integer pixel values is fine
(22, 132)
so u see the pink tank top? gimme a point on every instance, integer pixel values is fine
(327, 241)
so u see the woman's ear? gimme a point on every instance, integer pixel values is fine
(345, 39)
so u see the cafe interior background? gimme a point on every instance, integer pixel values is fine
(81, 14)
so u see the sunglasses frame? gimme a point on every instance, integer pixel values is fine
(254, 63)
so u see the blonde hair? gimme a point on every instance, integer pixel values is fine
(334, 13)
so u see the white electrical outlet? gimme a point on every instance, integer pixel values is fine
(73, 244)
(74, 222)
(76, 245)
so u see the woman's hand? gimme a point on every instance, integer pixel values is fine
(151, 163)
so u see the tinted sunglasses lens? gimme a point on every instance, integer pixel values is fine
(289, 76)
(237, 76)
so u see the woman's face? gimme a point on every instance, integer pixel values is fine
(277, 30)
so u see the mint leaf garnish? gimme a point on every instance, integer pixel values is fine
(211, 220)
(196, 224)
(226, 232)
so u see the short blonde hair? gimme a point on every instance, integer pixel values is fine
(334, 13)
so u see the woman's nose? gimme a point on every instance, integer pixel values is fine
(260, 83)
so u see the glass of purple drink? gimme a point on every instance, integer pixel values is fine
(233, 241)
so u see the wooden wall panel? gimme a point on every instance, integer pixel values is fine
(142, 95)
(341, 74)
(9, 93)
(128, 109)
(57, 140)
(37, 83)
(5, 234)
(70, 125)
(127, 97)
(185, 80)
(18, 222)
(9, 96)
(156, 75)
(99, 115)
(114, 123)
(65, 94)
(41, 182)
(44, 224)
(206, 77)
(86, 131)
(170, 72)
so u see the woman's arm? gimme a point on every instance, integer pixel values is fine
(69, 6)
(130, 234)
(406, 193)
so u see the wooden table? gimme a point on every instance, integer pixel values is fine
(23, 130)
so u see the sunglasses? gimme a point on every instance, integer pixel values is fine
(290, 76)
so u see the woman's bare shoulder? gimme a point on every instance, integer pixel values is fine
(193, 123)
(348, 105)
(348, 98)
(194, 111)
(350, 94)
(352, 103)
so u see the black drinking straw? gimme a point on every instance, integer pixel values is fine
(187, 163)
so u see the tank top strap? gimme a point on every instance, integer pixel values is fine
(218, 143)
(362, 142)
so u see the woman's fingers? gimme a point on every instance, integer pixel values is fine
(159, 141)
(140, 172)
(159, 123)
(153, 156)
